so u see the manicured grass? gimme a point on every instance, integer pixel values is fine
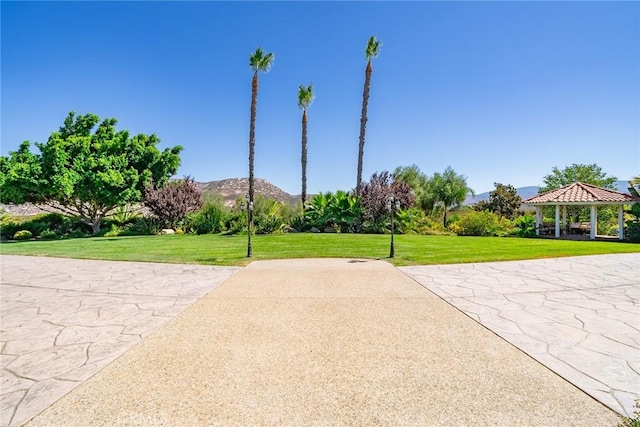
(232, 250)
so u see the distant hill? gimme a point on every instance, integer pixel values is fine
(228, 189)
(532, 190)
(232, 188)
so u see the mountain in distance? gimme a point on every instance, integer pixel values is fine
(232, 188)
(532, 190)
(228, 189)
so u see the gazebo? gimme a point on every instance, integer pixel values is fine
(580, 194)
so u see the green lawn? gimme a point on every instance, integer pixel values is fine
(232, 250)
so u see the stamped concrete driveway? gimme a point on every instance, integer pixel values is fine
(62, 320)
(579, 316)
(324, 342)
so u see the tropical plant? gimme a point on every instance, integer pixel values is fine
(525, 226)
(340, 210)
(634, 186)
(172, 202)
(447, 189)
(85, 172)
(258, 61)
(633, 225)
(305, 98)
(144, 225)
(125, 214)
(372, 50)
(268, 216)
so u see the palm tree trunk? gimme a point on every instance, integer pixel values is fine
(252, 140)
(363, 123)
(304, 158)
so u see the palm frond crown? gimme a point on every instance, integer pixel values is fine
(305, 96)
(259, 61)
(373, 48)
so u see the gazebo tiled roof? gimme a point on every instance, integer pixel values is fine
(580, 193)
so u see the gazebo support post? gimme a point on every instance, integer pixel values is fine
(621, 222)
(564, 218)
(538, 219)
(557, 221)
(594, 222)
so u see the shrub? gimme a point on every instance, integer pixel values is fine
(142, 226)
(78, 234)
(267, 216)
(23, 235)
(633, 225)
(525, 226)
(124, 214)
(113, 231)
(48, 235)
(339, 210)
(36, 224)
(8, 226)
(415, 221)
(632, 421)
(173, 202)
(483, 223)
(211, 218)
(374, 197)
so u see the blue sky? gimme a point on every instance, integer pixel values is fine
(501, 91)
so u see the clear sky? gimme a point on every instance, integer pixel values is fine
(501, 91)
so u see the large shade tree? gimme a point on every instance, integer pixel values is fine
(419, 183)
(504, 201)
(372, 50)
(259, 61)
(588, 174)
(305, 98)
(84, 171)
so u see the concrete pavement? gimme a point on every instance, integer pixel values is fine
(320, 342)
(578, 316)
(62, 320)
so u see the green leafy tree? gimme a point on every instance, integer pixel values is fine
(448, 189)
(504, 201)
(372, 50)
(85, 172)
(305, 98)
(419, 183)
(588, 174)
(258, 61)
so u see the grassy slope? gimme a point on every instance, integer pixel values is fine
(231, 250)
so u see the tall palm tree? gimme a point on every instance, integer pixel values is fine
(305, 98)
(372, 51)
(258, 61)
